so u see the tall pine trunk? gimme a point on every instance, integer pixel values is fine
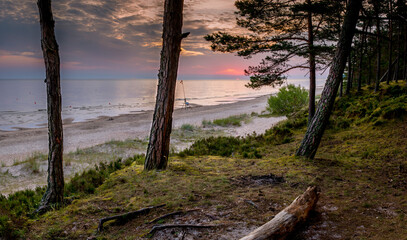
(350, 74)
(405, 55)
(362, 52)
(399, 49)
(311, 105)
(316, 128)
(378, 47)
(159, 143)
(55, 189)
(369, 76)
(389, 73)
(369, 53)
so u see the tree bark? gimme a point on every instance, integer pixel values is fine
(378, 46)
(311, 105)
(159, 143)
(390, 75)
(362, 48)
(285, 221)
(369, 53)
(316, 128)
(399, 49)
(405, 55)
(55, 189)
(350, 74)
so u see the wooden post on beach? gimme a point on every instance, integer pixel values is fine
(159, 143)
(55, 189)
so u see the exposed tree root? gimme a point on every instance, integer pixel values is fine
(172, 214)
(123, 218)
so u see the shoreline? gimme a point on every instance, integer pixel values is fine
(17, 145)
(71, 120)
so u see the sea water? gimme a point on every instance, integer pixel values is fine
(23, 102)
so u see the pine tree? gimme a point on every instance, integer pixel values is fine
(54, 194)
(284, 30)
(159, 143)
(316, 127)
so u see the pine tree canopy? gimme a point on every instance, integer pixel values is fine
(280, 30)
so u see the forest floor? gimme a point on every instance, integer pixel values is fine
(360, 168)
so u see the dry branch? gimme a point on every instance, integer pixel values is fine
(285, 221)
(122, 218)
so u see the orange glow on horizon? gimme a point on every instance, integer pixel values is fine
(231, 71)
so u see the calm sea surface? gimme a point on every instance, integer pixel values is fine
(23, 102)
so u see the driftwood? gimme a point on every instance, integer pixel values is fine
(165, 226)
(172, 214)
(285, 221)
(122, 218)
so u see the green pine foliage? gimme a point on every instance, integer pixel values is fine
(288, 100)
(276, 29)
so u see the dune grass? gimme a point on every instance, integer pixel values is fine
(234, 120)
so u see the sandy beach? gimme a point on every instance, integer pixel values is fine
(16, 146)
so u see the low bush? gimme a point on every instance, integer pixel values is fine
(234, 120)
(389, 104)
(88, 181)
(288, 100)
(187, 127)
(17, 208)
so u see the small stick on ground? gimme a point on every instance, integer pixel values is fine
(161, 227)
(172, 214)
(122, 218)
(252, 203)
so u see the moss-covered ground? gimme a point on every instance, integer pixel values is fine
(360, 168)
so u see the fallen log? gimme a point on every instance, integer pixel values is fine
(285, 221)
(122, 218)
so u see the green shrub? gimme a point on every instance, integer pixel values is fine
(206, 123)
(88, 181)
(279, 134)
(388, 104)
(288, 100)
(250, 146)
(187, 127)
(220, 146)
(16, 209)
(14, 212)
(234, 120)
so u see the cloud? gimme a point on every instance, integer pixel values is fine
(187, 53)
(152, 44)
(231, 71)
(115, 36)
(24, 59)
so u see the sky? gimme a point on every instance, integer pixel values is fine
(117, 39)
